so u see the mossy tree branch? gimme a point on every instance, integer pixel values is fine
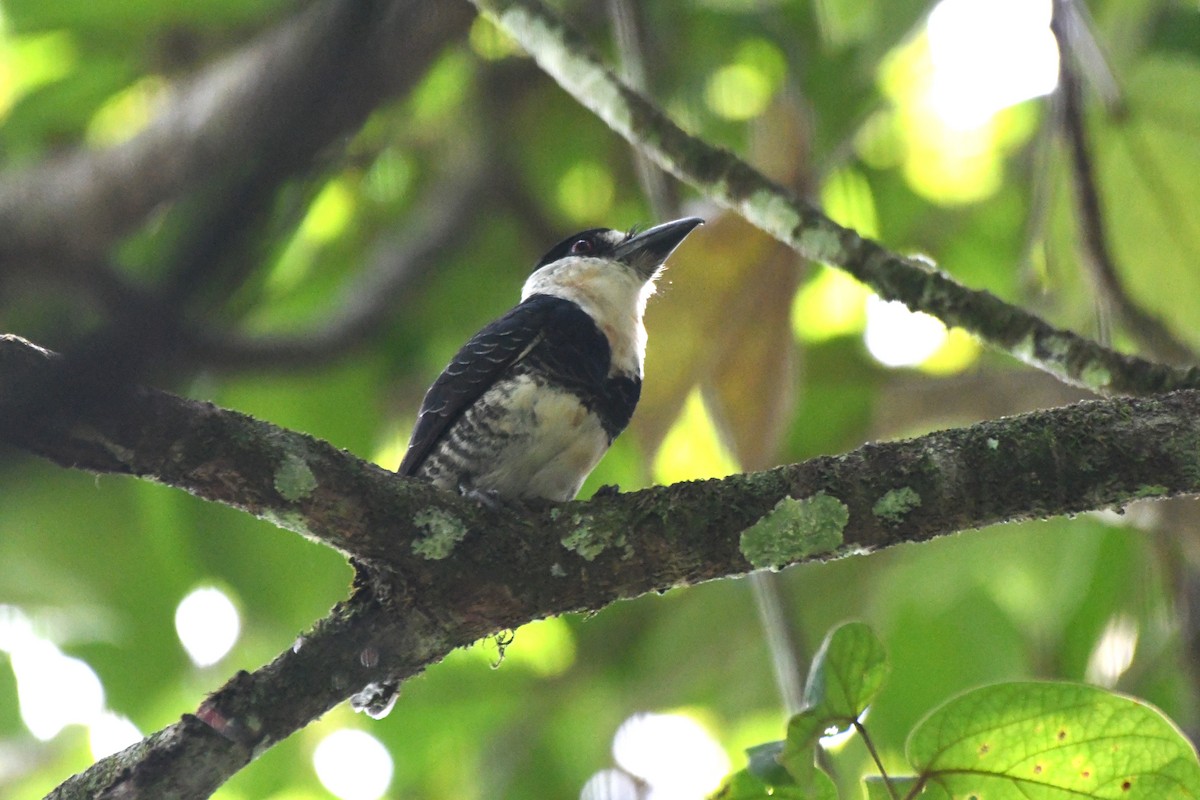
(444, 571)
(726, 179)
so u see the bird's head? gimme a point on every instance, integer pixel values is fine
(610, 275)
(594, 259)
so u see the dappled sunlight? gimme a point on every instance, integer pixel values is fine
(742, 89)
(948, 86)
(1114, 651)
(673, 753)
(393, 443)
(301, 252)
(830, 304)
(55, 690)
(987, 55)
(127, 112)
(111, 733)
(693, 449)
(29, 62)
(328, 217)
(586, 192)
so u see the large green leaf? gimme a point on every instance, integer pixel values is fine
(1053, 740)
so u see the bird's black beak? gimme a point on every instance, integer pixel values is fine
(646, 251)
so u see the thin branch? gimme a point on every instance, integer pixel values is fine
(1097, 71)
(631, 49)
(1146, 328)
(443, 571)
(730, 181)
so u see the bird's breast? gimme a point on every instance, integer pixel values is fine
(524, 438)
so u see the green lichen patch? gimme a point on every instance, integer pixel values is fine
(293, 479)
(821, 244)
(440, 532)
(1095, 375)
(895, 504)
(588, 542)
(795, 529)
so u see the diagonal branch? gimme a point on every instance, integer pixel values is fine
(728, 180)
(444, 571)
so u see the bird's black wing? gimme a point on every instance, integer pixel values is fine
(474, 369)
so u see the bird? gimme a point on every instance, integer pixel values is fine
(530, 404)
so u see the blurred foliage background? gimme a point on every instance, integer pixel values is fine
(929, 125)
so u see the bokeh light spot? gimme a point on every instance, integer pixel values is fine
(737, 92)
(1114, 651)
(673, 753)
(586, 192)
(987, 55)
(353, 765)
(127, 112)
(491, 43)
(208, 625)
(830, 304)
(897, 337)
(54, 690)
(111, 733)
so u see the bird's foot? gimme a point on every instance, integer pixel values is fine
(608, 490)
(488, 498)
(494, 501)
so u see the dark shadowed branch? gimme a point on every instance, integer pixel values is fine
(306, 82)
(223, 146)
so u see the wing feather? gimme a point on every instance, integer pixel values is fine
(476, 366)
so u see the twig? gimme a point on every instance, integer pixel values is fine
(1146, 328)
(631, 48)
(870, 743)
(731, 182)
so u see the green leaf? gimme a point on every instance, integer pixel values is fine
(764, 764)
(804, 729)
(847, 672)
(821, 787)
(1053, 740)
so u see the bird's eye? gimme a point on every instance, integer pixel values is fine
(582, 247)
